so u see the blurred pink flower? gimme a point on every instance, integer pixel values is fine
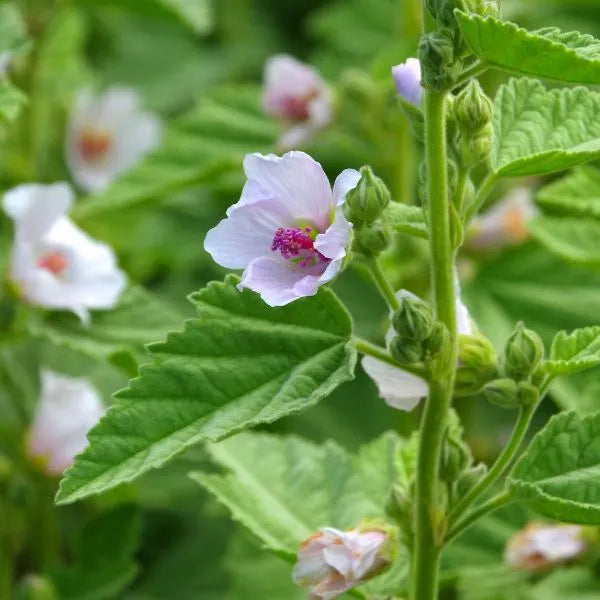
(54, 263)
(297, 94)
(107, 136)
(407, 77)
(332, 561)
(288, 231)
(68, 407)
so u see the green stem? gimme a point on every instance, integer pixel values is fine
(6, 551)
(365, 347)
(498, 501)
(484, 191)
(383, 284)
(474, 70)
(459, 200)
(501, 464)
(428, 510)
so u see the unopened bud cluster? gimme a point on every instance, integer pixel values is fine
(523, 354)
(477, 364)
(365, 206)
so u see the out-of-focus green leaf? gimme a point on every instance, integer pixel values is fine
(240, 363)
(579, 392)
(200, 146)
(539, 131)
(407, 219)
(12, 101)
(557, 476)
(574, 239)
(13, 31)
(285, 489)
(548, 53)
(196, 13)
(576, 583)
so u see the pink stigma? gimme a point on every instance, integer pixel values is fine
(296, 245)
(54, 262)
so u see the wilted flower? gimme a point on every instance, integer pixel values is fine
(288, 231)
(541, 546)
(401, 389)
(505, 223)
(332, 561)
(407, 76)
(54, 263)
(68, 407)
(107, 136)
(297, 94)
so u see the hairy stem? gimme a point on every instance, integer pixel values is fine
(477, 68)
(369, 349)
(428, 509)
(383, 284)
(499, 467)
(486, 187)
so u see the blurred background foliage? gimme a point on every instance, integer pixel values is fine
(198, 63)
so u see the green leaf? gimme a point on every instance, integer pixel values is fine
(138, 318)
(548, 53)
(406, 219)
(573, 352)
(575, 583)
(239, 364)
(13, 31)
(285, 489)
(12, 101)
(558, 474)
(577, 194)
(573, 239)
(579, 392)
(538, 131)
(198, 13)
(209, 140)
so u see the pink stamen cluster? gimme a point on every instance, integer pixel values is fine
(55, 262)
(295, 244)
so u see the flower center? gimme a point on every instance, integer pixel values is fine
(55, 262)
(94, 144)
(297, 246)
(296, 108)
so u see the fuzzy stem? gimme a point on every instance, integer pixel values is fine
(484, 191)
(428, 509)
(383, 284)
(470, 72)
(369, 349)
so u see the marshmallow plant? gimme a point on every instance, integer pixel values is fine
(274, 338)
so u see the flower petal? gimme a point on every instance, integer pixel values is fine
(407, 77)
(347, 180)
(334, 241)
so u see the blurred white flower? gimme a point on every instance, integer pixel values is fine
(53, 262)
(288, 231)
(541, 546)
(401, 389)
(297, 94)
(107, 136)
(505, 223)
(407, 77)
(5, 58)
(68, 407)
(331, 562)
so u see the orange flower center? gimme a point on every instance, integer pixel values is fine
(55, 262)
(93, 144)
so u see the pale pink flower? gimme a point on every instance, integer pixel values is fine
(407, 77)
(505, 223)
(68, 407)
(288, 231)
(107, 136)
(53, 262)
(401, 389)
(541, 546)
(332, 561)
(295, 93)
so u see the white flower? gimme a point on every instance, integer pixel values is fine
(332, 561)
(107, 136)
(5, 58)
(296, 93)
(288, 231)
(540, 546)
(505, 223)
(407, 77)
(54, 263)
(68, 407)
(401, 389)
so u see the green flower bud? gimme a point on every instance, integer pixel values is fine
(372, 240)
(476, 148)
(468, 479)
(457, 230)
(366, 202)
(455, 458)
(472, 109)
(413, 320)
(439, 65)
(528, 393)
(438, 339)
(399, 507)
(35, 587)
(503, 392)
(485, 8)
(477, 364)
(523, 353)
(406, 351)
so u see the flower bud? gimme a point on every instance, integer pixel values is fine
(413, 320)
(366, 201)
(468, 479)
(372, 240)
(528, 393)
(332, 562)
(405, 351)
(523, 353)
(472, 109)
(485, 8)
(455, 458)
(503, 392)
(477, 364)
(439, 65)
(439, 338)
(35, 587)
(399, 506)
